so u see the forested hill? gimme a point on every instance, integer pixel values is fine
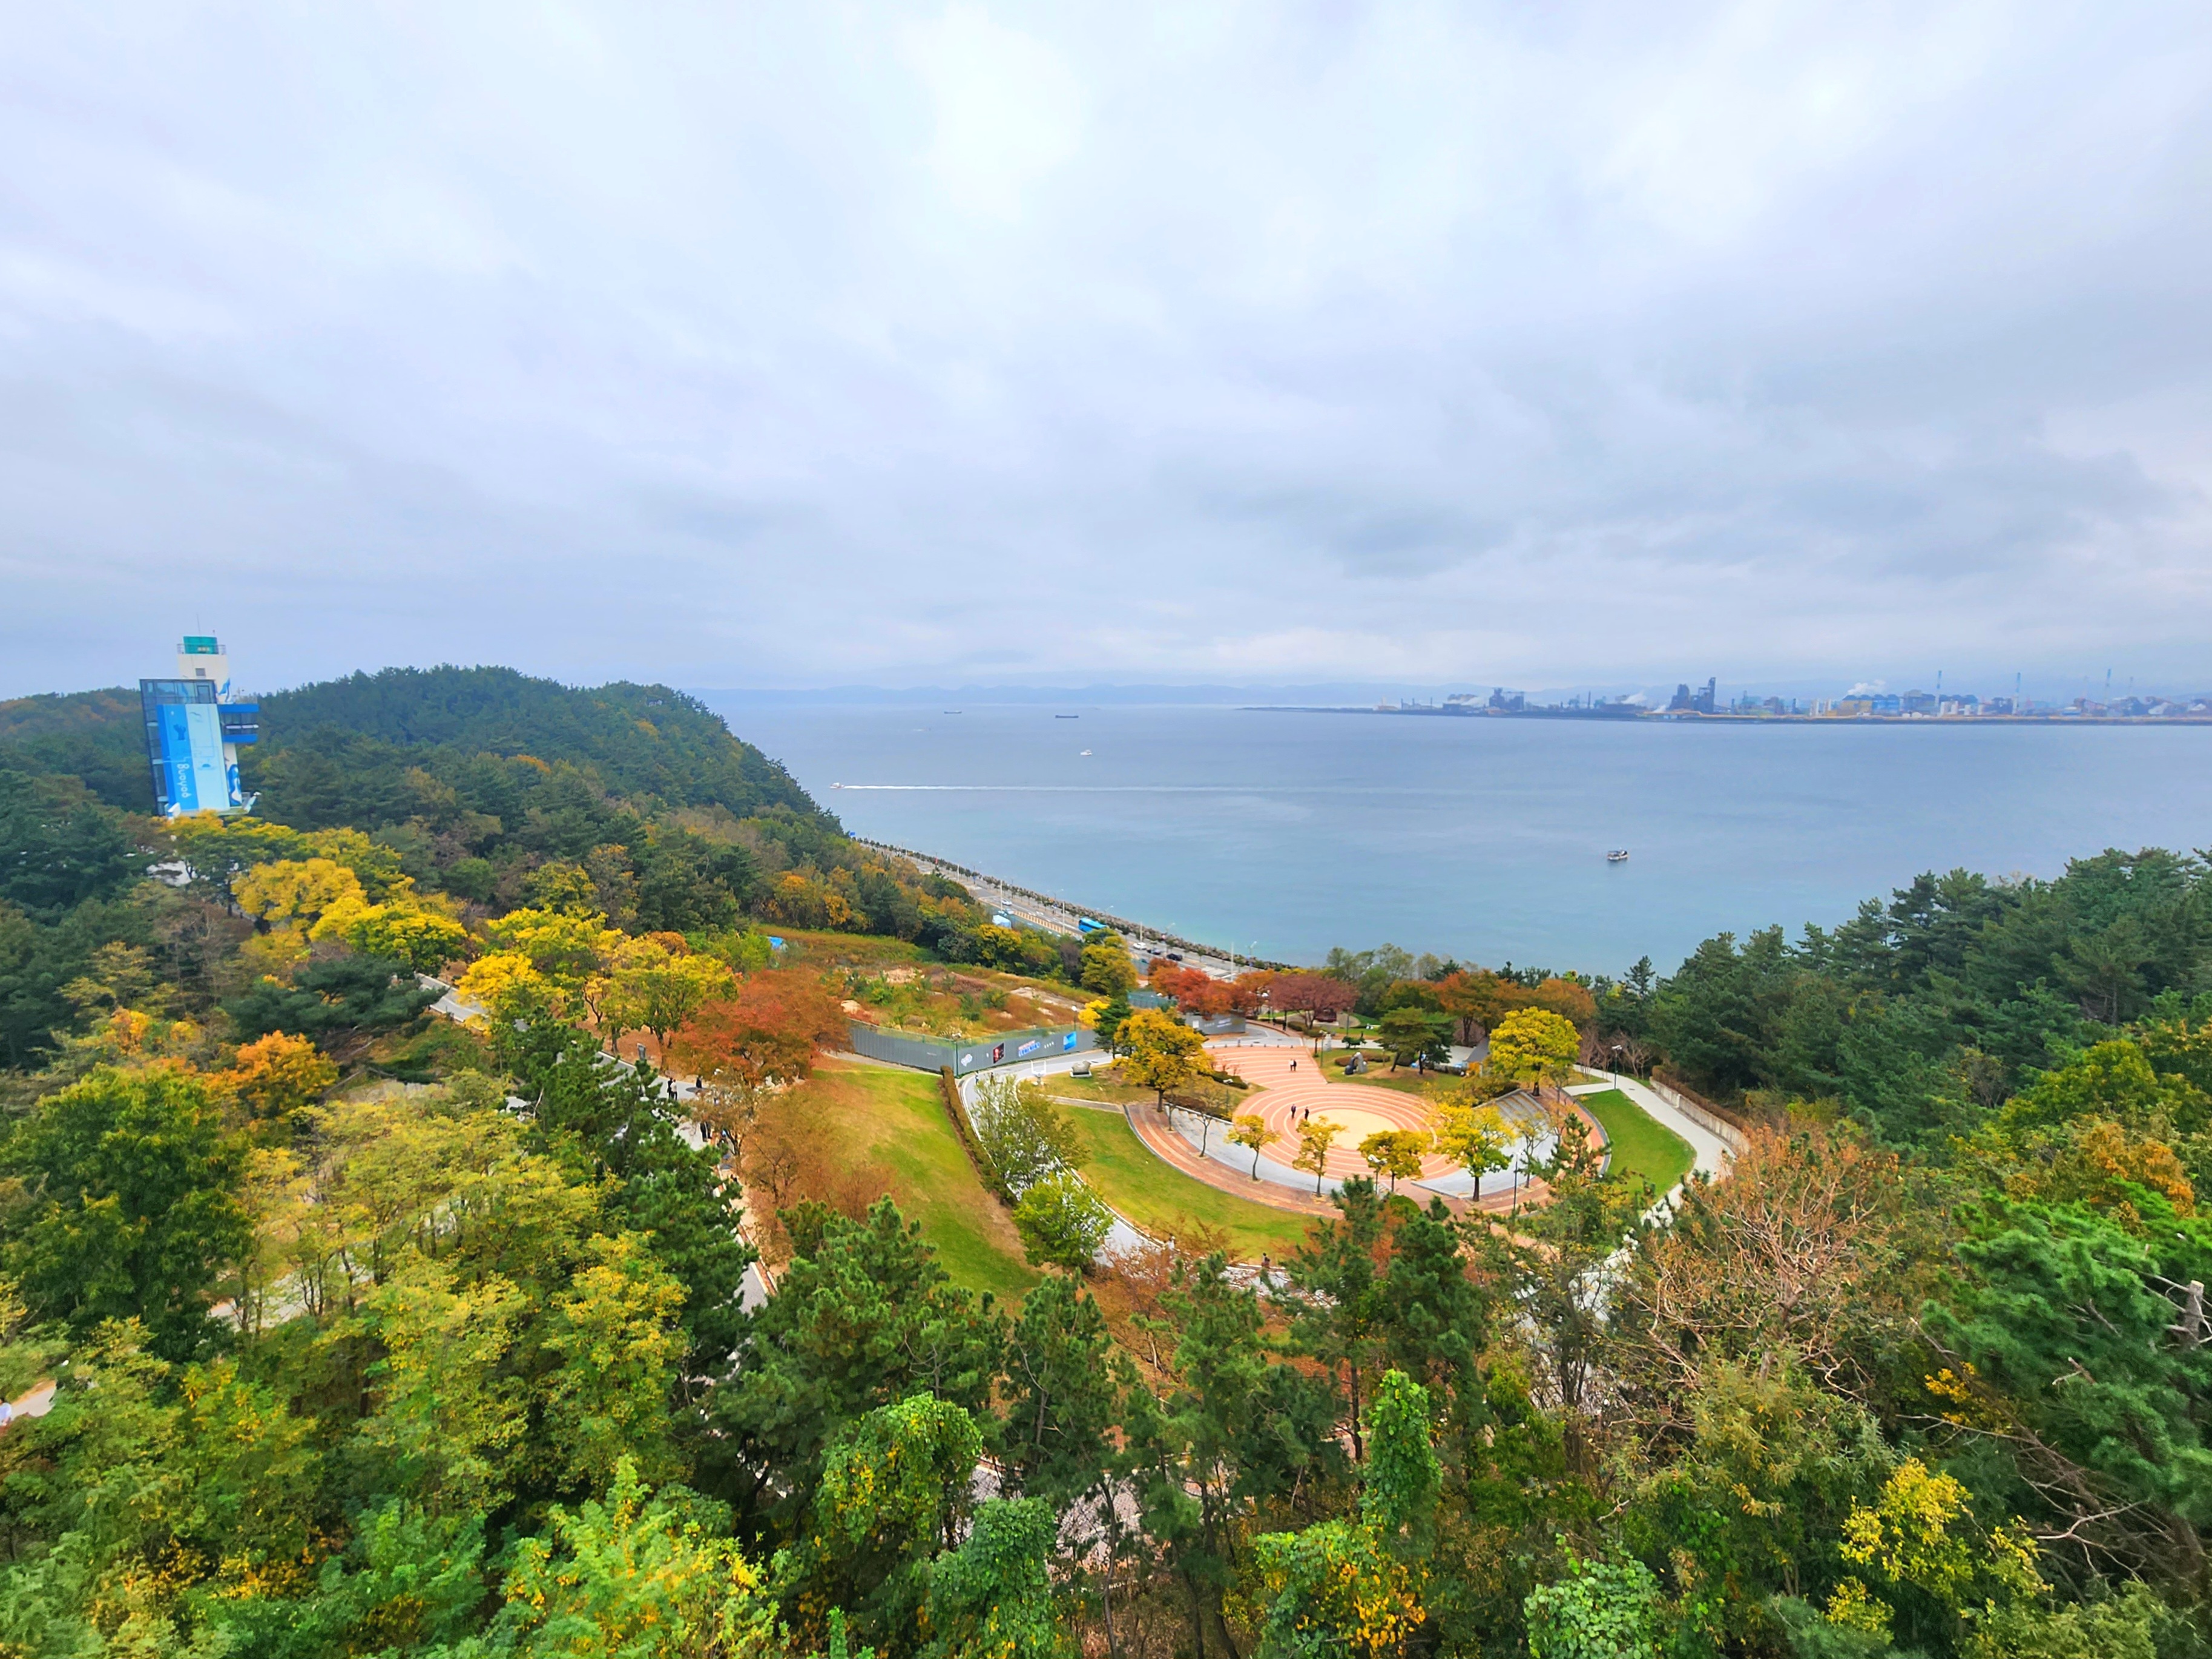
(92, 736)
(644, 743)
(641, 742)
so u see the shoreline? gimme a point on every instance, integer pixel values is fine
(1059, 915)
(1622, 716)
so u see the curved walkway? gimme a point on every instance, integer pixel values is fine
(1225, 1171)
(1712, 1153)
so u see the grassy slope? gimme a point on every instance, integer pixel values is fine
(1640, 1146)
(898, 1118)
(1134, 1180)
(1095, 1089)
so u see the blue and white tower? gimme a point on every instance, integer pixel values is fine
(195, 725)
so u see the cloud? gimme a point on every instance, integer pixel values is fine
(809, 345)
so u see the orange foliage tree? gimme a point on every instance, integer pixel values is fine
(1195, 992)
(766, 1031)
(1477, 998)
(1322, 995)
(276, 1076)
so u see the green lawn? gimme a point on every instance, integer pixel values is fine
(1137, 1182)
(1097, 1088)
(1640, 1146)
(898, 1118)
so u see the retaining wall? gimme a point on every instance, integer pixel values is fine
(1700, 1113)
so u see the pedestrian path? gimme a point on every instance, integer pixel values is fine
(1712, 1153)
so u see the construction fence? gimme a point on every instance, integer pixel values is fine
(1001, 1048)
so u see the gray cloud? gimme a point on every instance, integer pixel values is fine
(817, 344)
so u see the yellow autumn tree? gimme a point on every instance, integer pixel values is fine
(648, 986)
(403, 927)
(1534, 1045)
(507, 987)
(565, 948)
(292, 894)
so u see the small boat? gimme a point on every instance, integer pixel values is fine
(1068, 717)
(1086, 751)
(1618, 855)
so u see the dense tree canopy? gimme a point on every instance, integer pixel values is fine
(370, 1331)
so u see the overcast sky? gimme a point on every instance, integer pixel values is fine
(781, 345)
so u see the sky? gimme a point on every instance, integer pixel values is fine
(786, 346)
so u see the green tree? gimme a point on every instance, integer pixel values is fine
(1111, 1017)
(1415, 1034)
(863, 1316)
(638, 1574)
(1024, 1133)
(895, 1490)
(1333, 1284)
(1334, 1588)
(59, 847)
(41, 965)
(1107, 969)
(1064, 1382)
(1431, 1318)
(1600, 1610)
(604, 1119)
(1555, 1259)
(130, 1208)
(992, 1597)
(1352, 1586)
(140, 1468)
(417, 1580)
(447, 1415)
(2060, 1353)
(1228, 1431)
(1062, 1221)
(333, 999)
(615, 1330)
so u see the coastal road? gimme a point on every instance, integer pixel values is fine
(1056, 916)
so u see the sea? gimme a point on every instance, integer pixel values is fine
(1280, 834)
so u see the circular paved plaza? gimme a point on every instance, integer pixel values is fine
(1291, 1096)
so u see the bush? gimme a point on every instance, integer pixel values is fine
(1062, 1221)
(1023, 1135)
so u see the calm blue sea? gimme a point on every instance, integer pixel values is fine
(1284, 834)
